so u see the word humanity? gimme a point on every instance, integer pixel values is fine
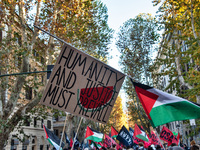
(82, 86)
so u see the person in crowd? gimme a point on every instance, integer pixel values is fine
(158, 147)
(177, 148)
(113, 147)
(172, 145)
(130, 148)
(194, 146)
(124, 147)
(185, 147)
(104, 148)
(150, 148)
(141, 146)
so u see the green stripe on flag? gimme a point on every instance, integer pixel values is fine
(170, 112)
(94, 138)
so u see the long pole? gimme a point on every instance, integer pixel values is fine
(63, 132)
(51, 35)
(76, 132)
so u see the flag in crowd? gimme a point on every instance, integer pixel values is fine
(96, 145)
(154, 139)
(157, 104)
(71, 142)
(125, 137)
(52, 138)
(66, 138)
(76, 141)
(140, 133)
(114, 132)
(167, 136)
(108, 141)
(131, 131)
(93, 135)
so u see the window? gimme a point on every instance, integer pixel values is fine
(48, 124)
(27, 121)
(42, 121)
(56, 132)
(35, 122)
(29, 93)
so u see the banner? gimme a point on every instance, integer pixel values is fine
(124, 137)
(82, 85)
(131, 131)
(167, 136)
(136, 140)
(154, 139)
(108, 141)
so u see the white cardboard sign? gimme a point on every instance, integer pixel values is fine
(82, 85)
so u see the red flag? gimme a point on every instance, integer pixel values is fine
(167, 135)
(136, 140)
(137, 130)
(154, 139)
(108, 141)
(114, 132)
(71, 142)
(178, 137)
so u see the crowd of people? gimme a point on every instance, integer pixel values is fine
(173, 146)
(140, 146)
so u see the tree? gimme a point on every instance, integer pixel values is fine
(136, 43)
(24, 49)
(179, 51)
(117, 117)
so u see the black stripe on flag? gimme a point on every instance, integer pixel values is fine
(145, 87)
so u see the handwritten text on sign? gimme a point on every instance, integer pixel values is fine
(82, 85)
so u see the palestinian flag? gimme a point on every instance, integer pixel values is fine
(140, 133)
(93, 135)
(53, 139)
(162, 108)
(97, 145)
(114, 132)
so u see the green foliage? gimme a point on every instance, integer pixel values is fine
(178, 57)
(24, 49)
(136, 43)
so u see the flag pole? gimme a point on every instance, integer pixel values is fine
(63, 132)
(77, 132)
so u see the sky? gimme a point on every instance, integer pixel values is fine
(120, 11)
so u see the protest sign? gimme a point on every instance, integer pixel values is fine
(82, 85)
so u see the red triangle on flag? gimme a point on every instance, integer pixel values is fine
(113, 131)
(137, 130)
(89, 132)
(147, 99)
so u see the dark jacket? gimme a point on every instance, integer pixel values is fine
(194, 147)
